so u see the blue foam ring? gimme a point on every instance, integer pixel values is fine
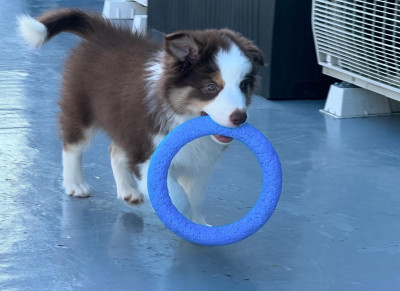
(215, 235)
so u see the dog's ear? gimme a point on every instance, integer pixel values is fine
(255, 53)
(182, 46)
(251, 49)
(248, 46)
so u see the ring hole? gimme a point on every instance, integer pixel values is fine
(234, 185)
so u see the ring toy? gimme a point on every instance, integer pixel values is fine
(215, 235)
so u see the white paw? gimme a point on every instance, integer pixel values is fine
(200, 220)
(80, 190)
(131, 196)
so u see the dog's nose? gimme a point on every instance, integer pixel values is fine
(238, 117)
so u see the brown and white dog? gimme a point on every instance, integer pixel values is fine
(138, 91)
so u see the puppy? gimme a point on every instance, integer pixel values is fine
(137, 91)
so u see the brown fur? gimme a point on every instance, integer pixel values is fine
(104, 82)
(107, 93)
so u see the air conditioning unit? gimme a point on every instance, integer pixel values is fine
(132, 13)
(358, 41)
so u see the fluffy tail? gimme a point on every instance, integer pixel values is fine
(38, 31)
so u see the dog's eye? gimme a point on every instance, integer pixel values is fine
(211, 87)
(243, 85)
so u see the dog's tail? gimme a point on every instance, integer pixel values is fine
(38, 31)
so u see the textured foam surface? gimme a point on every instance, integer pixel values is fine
(217, 235)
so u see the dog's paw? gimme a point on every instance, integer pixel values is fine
(80, 190)
(131, 196)
(200, 220)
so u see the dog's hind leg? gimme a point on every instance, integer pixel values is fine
(76, 133)
(73, 179)
(126, 184)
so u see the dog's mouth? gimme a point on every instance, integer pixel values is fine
(217, 137)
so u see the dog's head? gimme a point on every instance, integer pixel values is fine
(211, 72)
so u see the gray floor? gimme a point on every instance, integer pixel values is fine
(336, 227)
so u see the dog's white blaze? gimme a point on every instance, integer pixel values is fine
(233, 66)
(33, 31)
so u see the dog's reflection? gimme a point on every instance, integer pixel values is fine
(125, 228)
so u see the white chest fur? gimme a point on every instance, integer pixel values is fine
(195, 159)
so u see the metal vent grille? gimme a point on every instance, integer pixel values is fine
(361, 38)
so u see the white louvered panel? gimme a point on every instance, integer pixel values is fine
(358, 27)
(359, 57)
(361, 37)
(359, 43)
(353, 51)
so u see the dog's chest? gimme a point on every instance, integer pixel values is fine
(198, 155)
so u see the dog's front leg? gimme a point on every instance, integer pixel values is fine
(126, 184)
(195, 186)
(178, 195)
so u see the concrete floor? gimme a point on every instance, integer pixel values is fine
(336, 227)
